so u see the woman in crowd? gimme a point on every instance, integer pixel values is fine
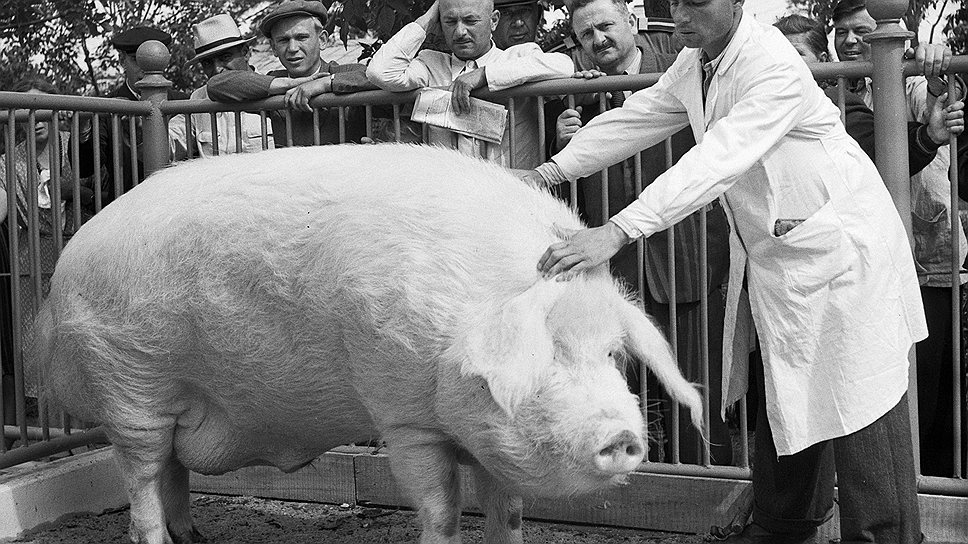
(31, 180)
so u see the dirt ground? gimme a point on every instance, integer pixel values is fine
(247, 520)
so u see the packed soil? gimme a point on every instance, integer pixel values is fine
(248, 520)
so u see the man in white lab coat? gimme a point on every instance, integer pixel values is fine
(832, 289)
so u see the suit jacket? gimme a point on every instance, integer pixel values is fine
(108, 180)
(247, 86)
(835, 300)
(656, 57)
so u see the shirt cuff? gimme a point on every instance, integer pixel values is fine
(924, 141)
(627, 226)
(551, 174)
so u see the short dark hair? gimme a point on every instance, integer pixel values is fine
(816, 33)
(35, 81)
(574, 5)
(846, 7)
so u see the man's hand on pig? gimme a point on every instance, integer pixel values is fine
(584, 249)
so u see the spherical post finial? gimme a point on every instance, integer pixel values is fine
(153, 56)
(887, 10)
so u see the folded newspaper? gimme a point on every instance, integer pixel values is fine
(485, 121)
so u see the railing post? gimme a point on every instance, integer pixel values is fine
(153, 58)
(890, 139)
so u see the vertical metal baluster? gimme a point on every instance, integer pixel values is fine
(216, 143)
(133, 133)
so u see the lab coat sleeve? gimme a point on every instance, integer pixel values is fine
(768, 107)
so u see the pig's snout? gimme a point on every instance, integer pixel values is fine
(621, 453)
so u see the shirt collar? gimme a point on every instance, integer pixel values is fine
(134, 91)
(636, 63)
(457, 65)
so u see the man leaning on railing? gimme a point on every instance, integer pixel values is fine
(219, 47)
(475, 62)
(295, 29)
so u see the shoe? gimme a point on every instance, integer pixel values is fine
(755, 534)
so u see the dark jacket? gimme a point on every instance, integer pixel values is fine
(246, 86)
(622, 191)
(106, 138)
(859, 121)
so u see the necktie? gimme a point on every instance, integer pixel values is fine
(627, 167)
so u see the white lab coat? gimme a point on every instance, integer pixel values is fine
(835, 301)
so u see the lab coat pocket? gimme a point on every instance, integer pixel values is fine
(814, 253)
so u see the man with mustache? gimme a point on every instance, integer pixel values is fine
(295, 29)
(611, 45)
(474, 62)
(820, 267)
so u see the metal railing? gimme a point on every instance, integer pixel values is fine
(149, 118)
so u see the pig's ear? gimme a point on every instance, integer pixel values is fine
(647, 342)
(511, 347)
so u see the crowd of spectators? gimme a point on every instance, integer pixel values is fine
(492, 45)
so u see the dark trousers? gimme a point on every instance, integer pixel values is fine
(689, 329)
(875, 477)
(935, 391)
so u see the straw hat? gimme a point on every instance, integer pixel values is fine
(216, 34)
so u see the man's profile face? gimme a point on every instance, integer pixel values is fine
(606, 34)
(518, 24)
(467, 26)
(849, 32)
(296, 42)
(234, 58)
(705, 24)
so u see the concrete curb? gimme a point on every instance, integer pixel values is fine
(45, 492)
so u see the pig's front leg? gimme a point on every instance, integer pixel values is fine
(502, 509)
(176, 497)
(425, 464)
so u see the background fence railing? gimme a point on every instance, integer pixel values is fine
(29, 433)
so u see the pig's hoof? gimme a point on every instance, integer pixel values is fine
(191, 536)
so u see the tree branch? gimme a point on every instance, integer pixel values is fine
(4, 28)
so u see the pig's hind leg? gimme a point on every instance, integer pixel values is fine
(502, 509)
(425, 464)
(156, 483)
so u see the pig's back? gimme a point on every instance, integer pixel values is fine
(231, 263)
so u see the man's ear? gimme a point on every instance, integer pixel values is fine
(633, 22)
(323, 36)
(495, 17)
(824, 56)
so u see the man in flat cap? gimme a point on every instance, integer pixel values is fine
(931, 222)
(126, 43)
(518, 23)
(295, 29)
(219, 48)
(475, 62)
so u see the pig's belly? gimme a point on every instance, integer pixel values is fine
(208, 441)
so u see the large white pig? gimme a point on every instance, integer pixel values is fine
(261, 309)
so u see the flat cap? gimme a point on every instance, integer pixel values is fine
(846, 7)
(498, 4)
(292, 8)
(129, 40)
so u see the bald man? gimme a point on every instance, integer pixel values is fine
(475, 61)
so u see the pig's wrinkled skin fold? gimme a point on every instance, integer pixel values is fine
(262, 309)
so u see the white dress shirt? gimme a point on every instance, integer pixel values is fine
(400, 65)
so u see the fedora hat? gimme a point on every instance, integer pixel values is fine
(216, 34)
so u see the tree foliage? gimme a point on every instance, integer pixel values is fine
(65, 40)
(956, 30)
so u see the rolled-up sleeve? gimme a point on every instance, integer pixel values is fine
(397, 66)
(526, 63)
(239, 86)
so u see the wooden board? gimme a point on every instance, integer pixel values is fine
(661, 502)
